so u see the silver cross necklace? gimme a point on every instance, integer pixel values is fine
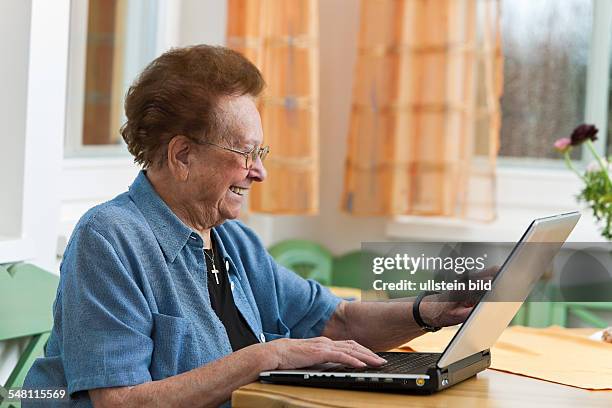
(214, 270)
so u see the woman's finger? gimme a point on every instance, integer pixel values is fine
(363, 349)
(364, 354)
(338, 356)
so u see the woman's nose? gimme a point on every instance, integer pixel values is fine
(258, 171)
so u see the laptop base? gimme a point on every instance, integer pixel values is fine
(425, 381)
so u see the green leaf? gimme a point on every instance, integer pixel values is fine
(606, 199)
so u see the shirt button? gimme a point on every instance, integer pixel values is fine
(262, 338)
(232, 285)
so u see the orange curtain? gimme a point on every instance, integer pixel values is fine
(425, 121)
(281, 38)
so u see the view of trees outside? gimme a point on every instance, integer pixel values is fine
(546, 48)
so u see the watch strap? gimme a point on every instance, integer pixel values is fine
(417, 314)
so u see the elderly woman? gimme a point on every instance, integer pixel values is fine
(163, 300)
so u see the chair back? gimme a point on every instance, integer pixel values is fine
(306, 258)
(26, 301)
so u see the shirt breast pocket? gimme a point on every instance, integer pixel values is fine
(282, 332)
(174, 349)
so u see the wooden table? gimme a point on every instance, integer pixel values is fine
(489, 389)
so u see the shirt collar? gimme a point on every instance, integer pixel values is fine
(171, 233)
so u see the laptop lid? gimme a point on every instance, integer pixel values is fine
(517, 276)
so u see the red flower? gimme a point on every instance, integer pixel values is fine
(582, 133)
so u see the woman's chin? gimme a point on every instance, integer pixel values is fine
(231, 213)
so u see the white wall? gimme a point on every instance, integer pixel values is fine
(202, 22)
(14, 24)
(34, 37)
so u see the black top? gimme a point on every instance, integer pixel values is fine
(222, 302)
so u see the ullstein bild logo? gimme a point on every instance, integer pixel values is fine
(455, 285)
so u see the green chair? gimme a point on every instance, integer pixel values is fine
(581, 301)
(353, 269)
(560, 311)
(308, 259)
(544, 314)
(563, 304)
(346, 270)
(26, 299)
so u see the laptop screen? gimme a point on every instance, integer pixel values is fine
(510, 287)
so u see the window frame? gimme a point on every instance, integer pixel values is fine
(166, 15)
(598, 75)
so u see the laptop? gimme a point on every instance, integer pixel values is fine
(468, 352)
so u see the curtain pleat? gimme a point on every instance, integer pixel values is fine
(281, 38)
(425, 120)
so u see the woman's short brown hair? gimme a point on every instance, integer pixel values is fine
(178, 94)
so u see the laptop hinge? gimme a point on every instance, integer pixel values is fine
(468, 360)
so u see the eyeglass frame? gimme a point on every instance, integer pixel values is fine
(255, 152)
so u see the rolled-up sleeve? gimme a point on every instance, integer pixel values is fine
(106, 319)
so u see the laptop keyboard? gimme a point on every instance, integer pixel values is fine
(397, 363)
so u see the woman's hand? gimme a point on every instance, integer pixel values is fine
(441, 313)
(449, 309)
(297, 353)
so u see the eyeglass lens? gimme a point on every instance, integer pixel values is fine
(262, 152)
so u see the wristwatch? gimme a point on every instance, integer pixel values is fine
(417, 314)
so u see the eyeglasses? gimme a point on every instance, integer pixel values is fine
(249, 156)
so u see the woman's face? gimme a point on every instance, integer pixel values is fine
(218, 180)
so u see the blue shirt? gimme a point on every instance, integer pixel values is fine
(133, 306)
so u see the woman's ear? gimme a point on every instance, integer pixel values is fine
(178, 157)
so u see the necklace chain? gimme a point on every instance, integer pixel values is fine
(212, 259)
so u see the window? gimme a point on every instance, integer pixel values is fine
(544, 99)
(111, 41)
(546, 53)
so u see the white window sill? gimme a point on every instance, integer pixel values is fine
(96, 178)
(15, 249)
(522, 195)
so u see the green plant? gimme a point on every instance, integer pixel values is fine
(597, 191)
